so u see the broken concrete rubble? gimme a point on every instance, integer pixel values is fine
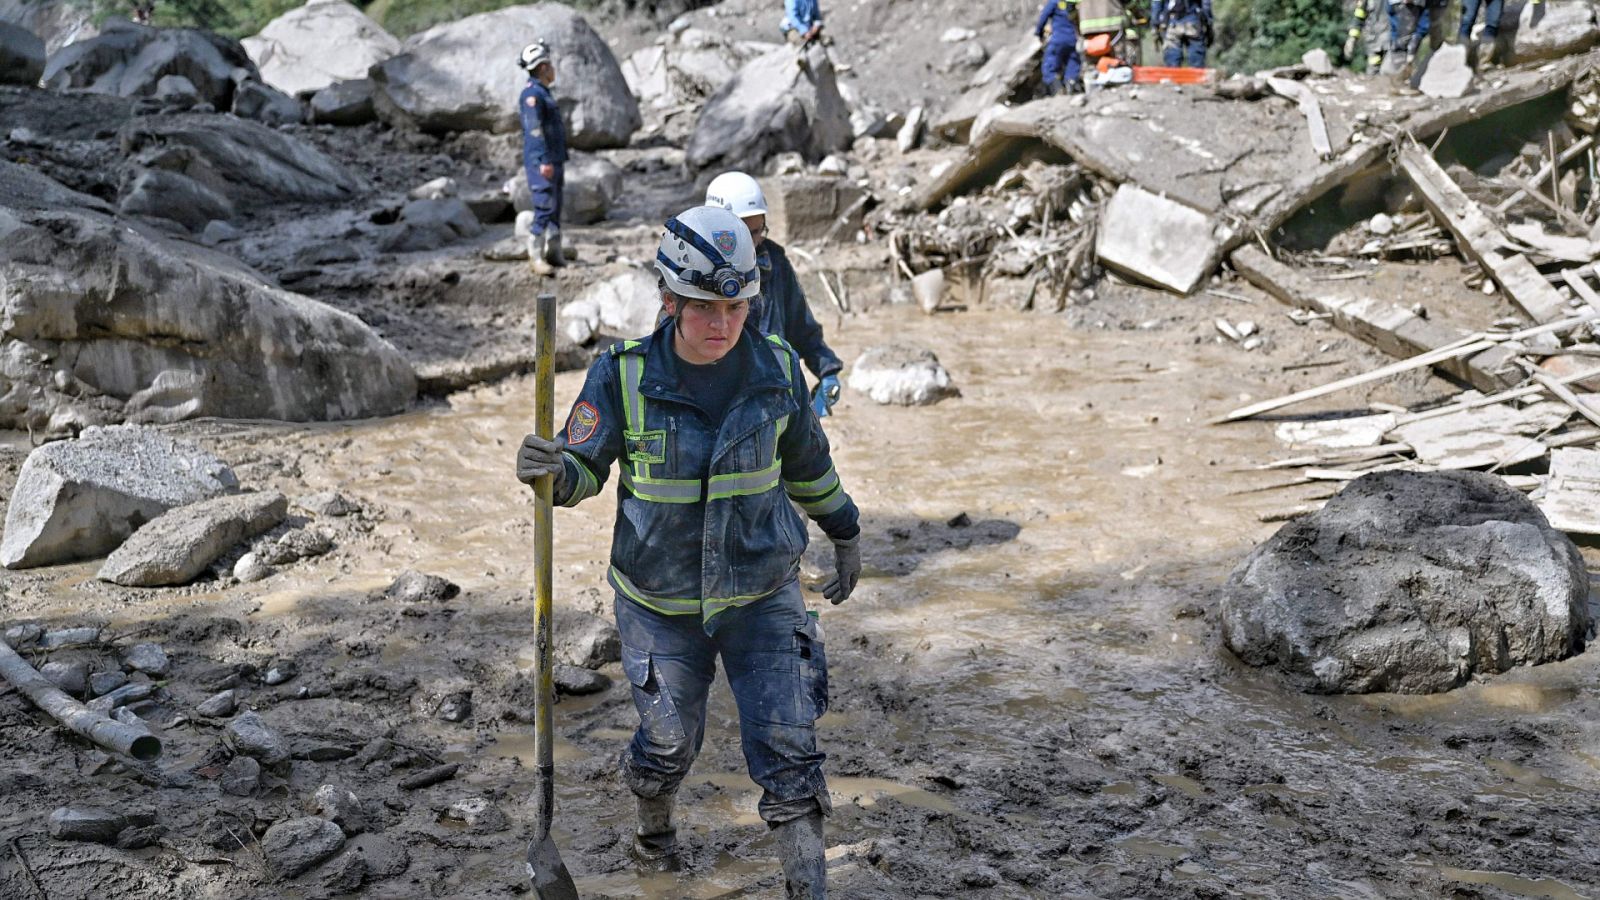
(1153, 239)
(813, 207)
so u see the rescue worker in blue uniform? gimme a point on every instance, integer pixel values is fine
(1060, 64)
(1185, 28)
(781, 307)
(544, 158)
(715, 444)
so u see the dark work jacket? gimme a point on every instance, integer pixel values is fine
(544, 135)
(781, 309)
(704, 520)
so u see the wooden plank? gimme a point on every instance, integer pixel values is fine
(1572, 498)
(1478, 238)
(1496, 436)
(1574, 279)
(1388, 326)
(1565, 394)
(1567, 155)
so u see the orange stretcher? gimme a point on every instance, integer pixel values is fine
(1172, 75)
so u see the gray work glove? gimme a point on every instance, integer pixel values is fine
(540, 457)
(847, 570)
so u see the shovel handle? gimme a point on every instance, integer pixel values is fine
(544, 663)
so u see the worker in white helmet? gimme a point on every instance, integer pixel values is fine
(781, 309)
(709, 425)
(544, 159)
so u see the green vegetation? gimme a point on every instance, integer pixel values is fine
(1260, 34)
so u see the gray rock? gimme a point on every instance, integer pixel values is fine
(492, 206)
(147, 658)
(229, 830)
(142, 305)
(431, 224)
(1317, 61)
(806, 207)
(1009, 75)
(968, 56)
(22, 55)
(901, 375)
(245, 161)
(584, 639)
(267, 105)
(1548, 30)
(86, 823)
(178, 545)
(249, 735)
(79, 499)
(66, 637)
(340, 807)
(591, 186)
(456, 707)
(437, 189)
(219, 705)
(138, 837)
(102, 683)
(453, 77)
(129, 60)
(219, 232)
(177, 92)
(579, 681)
(250, 568)
(346, 873)
(328, 503)
(625, 305)
(160, 194)
(279, 671)
(344, 103)
(302, 543)
(772, 106)
(1446, 73)
(297, 845)
(241, 777)
(71, 677)
(385, 857)
(412, 586)
(316, 45)
(131, 692)
(20, 636)
(1409, 582)
(910, 133)
(479, 814)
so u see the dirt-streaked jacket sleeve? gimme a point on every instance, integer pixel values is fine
(592, 438)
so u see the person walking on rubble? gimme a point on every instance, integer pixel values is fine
(1185, 28)
(780, 309)
(713, 436)
(1417, 19)
(1060, 64)
(544, 158)
(802, 21)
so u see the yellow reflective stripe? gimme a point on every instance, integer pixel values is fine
(662, 490)
(824, 505)
(670, 606)
(586, 487)
(828, 481)
(633, 403)
(1108, 22)
(783, 425)
(718, 605)
(741, 484)
(1361, 13)
(780, 349)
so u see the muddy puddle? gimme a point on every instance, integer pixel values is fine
(1029, 696)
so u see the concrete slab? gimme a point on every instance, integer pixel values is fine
(1158, 241)
(805, 207)
(1572, 498)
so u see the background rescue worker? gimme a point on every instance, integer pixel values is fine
(1488, 42)
(709, 426)
(781, 307)
(1117, 20)
(1060, 64)
(1185, 28)
(1380, 41)
(802, 21)
(544, 158)
(1417, 19)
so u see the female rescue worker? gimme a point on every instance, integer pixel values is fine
(710, 429)
(781, 308)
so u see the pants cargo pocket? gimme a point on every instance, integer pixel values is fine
(658, 715)
(813, 666)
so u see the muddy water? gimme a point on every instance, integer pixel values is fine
(1029, 701)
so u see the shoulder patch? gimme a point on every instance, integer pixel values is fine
(532, 101)
(585, 421)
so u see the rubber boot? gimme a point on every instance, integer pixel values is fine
(800, 848)
(536, 256)
(552, 247)
(655, 840)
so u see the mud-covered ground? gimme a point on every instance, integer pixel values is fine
(1029, 695)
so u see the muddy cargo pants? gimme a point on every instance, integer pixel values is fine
(1060, 65)
(778, 670)
(546, 196)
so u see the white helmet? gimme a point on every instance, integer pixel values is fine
(534, 55)
(738, 192)
(706, 254)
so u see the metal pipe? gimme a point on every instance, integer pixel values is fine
(114, 736)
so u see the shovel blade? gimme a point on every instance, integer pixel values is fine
(547, 873)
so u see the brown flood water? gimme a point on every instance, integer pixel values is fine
(1019, 709)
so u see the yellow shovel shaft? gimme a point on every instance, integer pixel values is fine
(544, 426)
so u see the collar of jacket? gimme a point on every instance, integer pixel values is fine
(660, 381)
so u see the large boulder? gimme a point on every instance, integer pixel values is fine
(79, 499)
(591, 185)
(1409, 582)
(267, 104)
(160, 194)
(460, 76)
(21, 55)
(129, 60)
(56, 22)
(626, 305)
(431, 224)
(1548, 30)
(344, 103)
(325, 41)
(178, 545)
(249, 163)
(772, 106)
(687, 66)
(94, 313)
